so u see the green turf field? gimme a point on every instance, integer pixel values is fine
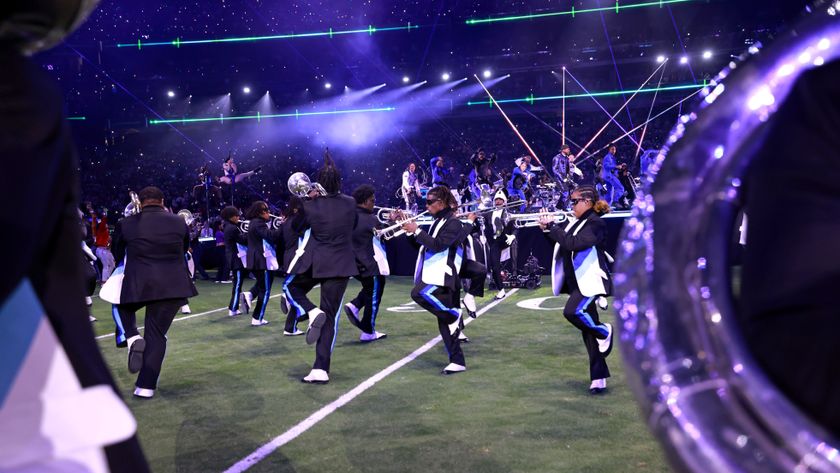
(523, 405)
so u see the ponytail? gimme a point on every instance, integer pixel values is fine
(601, 207)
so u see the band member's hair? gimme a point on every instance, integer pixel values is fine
(564, 147)
(443, 194)
(611, 145)
(294, 205)
(329, 177)
(363, 193)
(408, 166)
(150, 193)
(589, 193)
(229, 212)
(256, 209)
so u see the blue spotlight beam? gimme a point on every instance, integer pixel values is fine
(178, 42)
(297, 114)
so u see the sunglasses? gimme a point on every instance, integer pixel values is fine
(431, 201)
(575, 201)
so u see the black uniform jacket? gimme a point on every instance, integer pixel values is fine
(257, 232)
(153, 243)
(363, 242)
(233, 236)
(329, 250)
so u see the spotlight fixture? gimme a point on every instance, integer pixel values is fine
(170, 93)
(246, 90)
(406, 79)
(328, 86)
(707, 54)
(487, 73)
(660, 59)
(445, 76)
(684, 60)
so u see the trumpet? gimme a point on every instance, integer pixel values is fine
(384, 214)
(533, 219)
(396, 230)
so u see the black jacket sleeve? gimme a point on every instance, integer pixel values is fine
(118, 244)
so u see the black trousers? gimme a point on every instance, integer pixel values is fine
(159, 316)
(261, 292)
(582, 312)
(475, 273)
(235, 291)
(494, 254)
(332, 295)
(296, 295)
(369, 298)
(443, 303)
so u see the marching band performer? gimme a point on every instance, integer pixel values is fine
(153, 243)
(293, 243)
(579, 268)
(236, 252)
(474, 268)
(372, 264)
(500, 235)
(327, 259)
(261, 259)
(410, 188)
(437, 285)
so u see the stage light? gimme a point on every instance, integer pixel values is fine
(445, 76)
(170, 94)
(684, 60)
(660, 59)
(246, 90)
(707, 54)
(487, 73)
(328, 86)
(405, 79)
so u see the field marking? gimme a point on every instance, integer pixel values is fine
(259, 454)
(184, 318)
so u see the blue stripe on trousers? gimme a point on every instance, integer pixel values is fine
(237, 288)
(581, 314)
(120, 331)
(337, 318)
(268, 279)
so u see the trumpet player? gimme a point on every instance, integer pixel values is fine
(261, 259)
(580, 270)
(236, 252)
(437, 285)
(372, 264)
(500, 236)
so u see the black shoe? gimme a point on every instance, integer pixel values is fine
(313, 333)
(135, 355)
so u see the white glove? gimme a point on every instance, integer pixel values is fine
(509, 239)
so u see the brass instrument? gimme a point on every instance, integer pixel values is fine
(133, 207)
(533, 219)
(187, 216)
(300, 185)
(396, 230)
(383, 214)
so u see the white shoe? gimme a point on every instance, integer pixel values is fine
(284, 304)
(352, 314)
(258, 323)
(248, 299)
(598, 386)
(370, 337)
(317, 319)
(88, 301)
(293, 334)
(500, 295)
(144, 393)
(452, 368)
(317, 377)
(455, 326)
(91, 318)
(469, 302)
(185, 309)
(233, 313)
(136, 347)
(605, 345)
(463, 338)
(602, 303)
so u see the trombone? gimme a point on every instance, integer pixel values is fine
(533, 219)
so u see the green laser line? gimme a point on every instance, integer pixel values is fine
(573, 11)
(260, 117)
(178, 42)
(77, 118)
(531, 99)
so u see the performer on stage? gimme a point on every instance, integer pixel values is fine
(327, 260)
(236, 252)
(482, 172)
(232, 177)
(561, 166)
(372, 263)
(153, 243)
(500, 236)
(437, 285)
(613, 188)
(410, 188)
(206, 194)
(520, 182)
(580, 269)
(261, 259)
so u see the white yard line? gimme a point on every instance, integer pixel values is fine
(286, 437)
(185, 318)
